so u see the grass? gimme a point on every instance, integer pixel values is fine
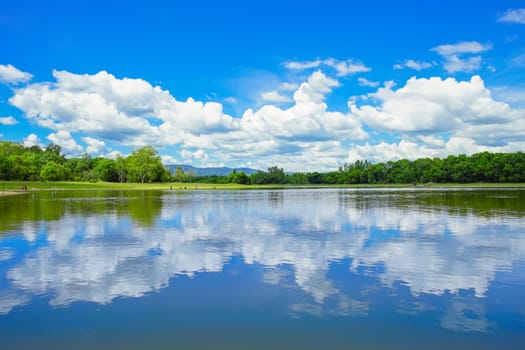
(9, 186)
(70, 185)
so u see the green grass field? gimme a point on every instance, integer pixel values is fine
(66, 185)
(6, 186)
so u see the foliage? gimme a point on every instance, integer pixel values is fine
(239, 178)
(52, 171)
(143, 165)
(33, 163)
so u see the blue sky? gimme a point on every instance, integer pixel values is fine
(303, 86)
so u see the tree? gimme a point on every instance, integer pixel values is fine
(179, 175)
(144, 165)
(239, 178)
(53, 153)
(121, 168)
(53, 172)
(276, 175)
(105, 170)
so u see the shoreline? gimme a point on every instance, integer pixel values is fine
(9, 188)
(13, 192)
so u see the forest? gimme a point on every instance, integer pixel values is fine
(144, 165)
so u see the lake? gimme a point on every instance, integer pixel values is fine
(263, 269)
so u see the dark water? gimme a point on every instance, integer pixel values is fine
(291, 269)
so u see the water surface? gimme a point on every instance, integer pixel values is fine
(287, 269)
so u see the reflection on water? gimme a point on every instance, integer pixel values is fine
(455, 257)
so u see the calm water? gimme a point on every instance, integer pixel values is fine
(291, 269)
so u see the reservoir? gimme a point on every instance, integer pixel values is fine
(330, 268)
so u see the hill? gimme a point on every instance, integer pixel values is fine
(221, 171)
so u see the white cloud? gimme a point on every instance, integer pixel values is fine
(365, 82)
(455, 64)
(113, 154)
(383, 152)
(168, 159)
(67, 142)
(94, 146)
(412, 64)
(424, 147)
(111, 112)
(12, 75)
(131, 112)
(199, 155)
(288, 86)
(453, 55)
(342, 68)
(301, 65)
(435, 105)
(463, 47)
(513, 16)
(432, 141)
(345, 68)
(231, 100)
(9, 120)
(275, 96)
(32, 140)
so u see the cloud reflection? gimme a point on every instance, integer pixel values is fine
(425, 248)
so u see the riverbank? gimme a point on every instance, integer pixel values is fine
(12, 192)
(18, 187)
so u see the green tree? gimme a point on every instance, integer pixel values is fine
(53, 171)
(179, 175)
(144, 165)
(121, 168)
(276, 175)
(239, 178)
(105, 170)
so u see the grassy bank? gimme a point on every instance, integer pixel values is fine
(10, 186)
(15, 187)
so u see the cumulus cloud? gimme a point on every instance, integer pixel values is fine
(463, 47)
(349, 67)
(231, 100)
(132, 112)
(275, 96)
(300, 65)
(12, 75)
(67, 142)
(455, 64)
(424, 147)
(168, 159)
(9, 120)
(198, 155)
(94, 146)
(288, 86)
(425, 115)
(513, 16)
(365, 82)
(342, 68)
(32, 140)
(412, 64)
(454, 55)
(436, 105)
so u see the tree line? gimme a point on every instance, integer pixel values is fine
(49, 164)
(144, 165)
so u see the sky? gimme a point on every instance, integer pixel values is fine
(304, 86)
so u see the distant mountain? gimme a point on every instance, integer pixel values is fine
(222, 171)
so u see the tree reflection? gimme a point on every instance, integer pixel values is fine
(342, 252)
